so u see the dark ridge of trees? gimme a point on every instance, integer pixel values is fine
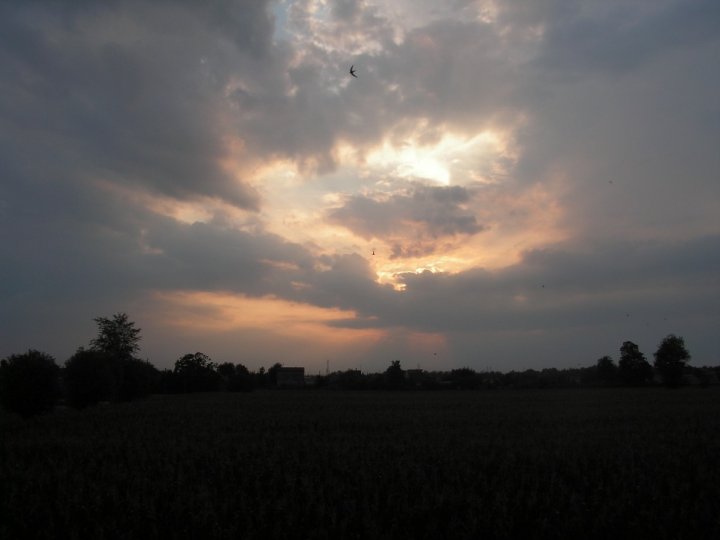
(139, 378)
(671, 360)
(32, 383)
(352, 379)
(271, 379)
(634, 370)
(29, 383)
(195, 373)
(91, 376)
(465, 379)
(607, 372)
(394, 375)
(118, 340)
(236, 377)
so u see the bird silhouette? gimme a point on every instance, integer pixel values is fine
(352, 71)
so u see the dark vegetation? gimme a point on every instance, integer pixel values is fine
(602, 450)
(591, 463)
(109, 371)
(29, 383)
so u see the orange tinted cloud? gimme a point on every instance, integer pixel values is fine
(205, 313)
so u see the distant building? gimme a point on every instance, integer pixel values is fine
(291, 377)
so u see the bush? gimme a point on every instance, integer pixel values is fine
(90, 377)
(139, 378)
(29, 383)
(195, 373)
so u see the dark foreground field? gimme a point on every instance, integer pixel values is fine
(555, 464)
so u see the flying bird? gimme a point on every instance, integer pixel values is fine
(352, 71)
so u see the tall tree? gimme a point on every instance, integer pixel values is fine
(633, 368)
(671, 359)
(117, 337)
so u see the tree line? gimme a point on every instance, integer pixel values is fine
(670, 368)
(108, 370)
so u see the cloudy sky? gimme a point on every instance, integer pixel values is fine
(507, 184)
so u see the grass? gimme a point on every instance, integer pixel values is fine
(533, 464)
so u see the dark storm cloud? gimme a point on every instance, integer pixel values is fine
(347, 10)
(133, 250)
(585, 37)
(562, 287)
(121, 92)
(345, 282)
(211, 257)
(418, 216)
(74, 270)
(147, 96)
(623, 114)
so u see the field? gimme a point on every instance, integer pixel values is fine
(529, 464)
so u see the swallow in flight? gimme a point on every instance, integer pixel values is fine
(352, 71)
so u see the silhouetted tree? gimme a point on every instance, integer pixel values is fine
(272, 374)
(394, 375)
(607, 371)
(29, 383)
(196, 373)
(671, 359)
(117, 337)
(90, 376)
(632, 367)
(226, 370)
(237, 378)
(138, 379)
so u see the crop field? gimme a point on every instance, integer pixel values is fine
(323, 464)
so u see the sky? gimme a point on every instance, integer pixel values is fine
(506, 184)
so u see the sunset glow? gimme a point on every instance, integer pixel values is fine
(511, 178)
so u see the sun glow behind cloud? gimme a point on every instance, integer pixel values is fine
(224, 146)
(297, 202)
(446, 157)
